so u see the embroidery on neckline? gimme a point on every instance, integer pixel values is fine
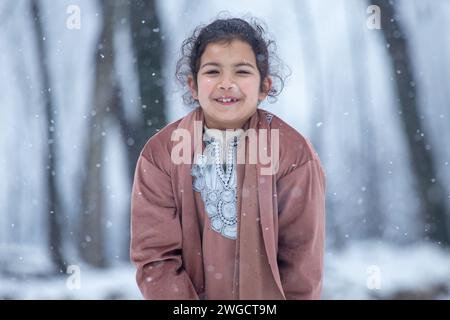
(218, 187)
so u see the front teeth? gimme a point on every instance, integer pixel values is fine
(226, 100)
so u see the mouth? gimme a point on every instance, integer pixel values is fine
(227, 101)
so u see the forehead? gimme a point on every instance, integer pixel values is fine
(228, 53)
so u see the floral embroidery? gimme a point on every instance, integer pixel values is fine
(217, 185)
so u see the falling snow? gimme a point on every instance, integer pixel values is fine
(344, 79)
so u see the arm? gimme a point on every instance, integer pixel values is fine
(301, 204)
(156, 236)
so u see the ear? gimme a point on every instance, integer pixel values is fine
(267, 85)
(192, 87)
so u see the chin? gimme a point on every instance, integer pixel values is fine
(228, 116)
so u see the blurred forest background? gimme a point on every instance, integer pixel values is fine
(84, 84)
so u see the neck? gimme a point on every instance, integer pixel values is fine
(210, 124)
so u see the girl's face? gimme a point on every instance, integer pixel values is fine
(228, 84)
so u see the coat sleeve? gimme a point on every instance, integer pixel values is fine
(301, 209)
(156, 238)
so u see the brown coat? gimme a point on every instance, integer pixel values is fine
(280, 257)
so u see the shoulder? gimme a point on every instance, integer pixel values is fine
(294, 148)
(158, 147)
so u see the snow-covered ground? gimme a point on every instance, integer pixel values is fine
(114, 283)
(365, 270)
(25, 275)
(374, 270)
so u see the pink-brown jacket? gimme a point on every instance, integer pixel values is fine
(166, 244)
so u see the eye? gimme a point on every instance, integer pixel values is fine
(243, 72)
(211, 72)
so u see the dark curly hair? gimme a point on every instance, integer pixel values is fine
(226, 30)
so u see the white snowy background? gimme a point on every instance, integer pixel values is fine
(337, 63)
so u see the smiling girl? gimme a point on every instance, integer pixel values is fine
(215, 224)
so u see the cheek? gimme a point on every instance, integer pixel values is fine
(250, 88)
(205, 86)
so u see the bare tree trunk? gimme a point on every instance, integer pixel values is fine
(148, 49)
(53, 203)
(92, 235)
(373, 216)
(313, 66)
(432, 195)
(315, 85)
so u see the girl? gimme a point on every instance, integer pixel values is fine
(213, 215)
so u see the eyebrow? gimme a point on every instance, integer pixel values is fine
(215, 64)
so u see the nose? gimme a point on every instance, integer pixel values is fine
(226, 83)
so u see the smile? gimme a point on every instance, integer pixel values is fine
(227, 100)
